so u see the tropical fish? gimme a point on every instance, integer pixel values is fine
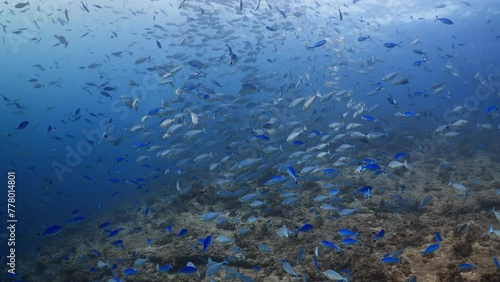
(443, 20)
(318, 44)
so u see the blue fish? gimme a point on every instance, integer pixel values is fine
(329, 245)
(54, 229)
(363, 38)
(261, 137)
(140, 145)
(391, 100)
(318, 44)
(348, 233)
(299, 143)
(188, 270)
(196, 64)
(365, 191)
(271, 28)
(88, 178)
(400, 156)
(22, 125)
(443, 20)
(183, 232)
(104, 224)
(113, 233)
(76, 219)
(275, 180)
(369, 118)
(391, 45)
(130, 271)
(163, 268)
(431, 249)
(114, 180)
(379, 235)
(490, 110)
(306, 228)
(372, 167)
(418, 63)
(207, 242)
(438, 237)
(350, 241)
(292, 173)
(390, 260)
(154, 111)
(495, 262)
(466, 266)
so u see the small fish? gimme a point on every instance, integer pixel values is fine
(466, 266)
(390, 260)
(318, 44)
(444, 20)
(53, 230)
(288, 268)
(306, 228)
(207, 242)
(183, 232)
(329, 245)
(21, 5)
(348, 233)
(188, 270)
(271, 28)
(130, 271)
(438, 237)
(163, 268)
(391, 45)
(292, 173)
(379, 235)
(363, 38)
(158, 44)
(334, 275)
(350, 241)
(431, 249)
(140, 262)
(22, 125)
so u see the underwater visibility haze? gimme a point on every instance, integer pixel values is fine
(250, 140)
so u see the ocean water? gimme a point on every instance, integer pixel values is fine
(250, 140)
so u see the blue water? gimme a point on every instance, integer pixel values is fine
(95, 87)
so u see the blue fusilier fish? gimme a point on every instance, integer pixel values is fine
(330, 245)
(466, 266)
(318, 44)
(363, 38)
(431, 249)
(443, 20)
(390, 45)
(391, 100)
(22, 125)
(52, 230)
(232, 55)
(365, 191)
(306, 228)
(379, 235)
(348, 233)
(292, 173)
(270, 28)
(207, 242)
(390, 260)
